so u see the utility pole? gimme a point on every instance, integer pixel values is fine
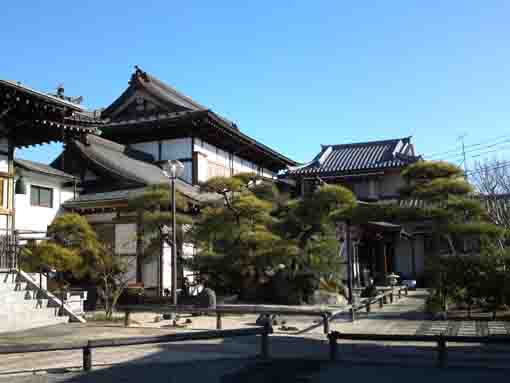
(461, 138)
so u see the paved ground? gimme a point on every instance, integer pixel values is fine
(403, 317)
(249, 371)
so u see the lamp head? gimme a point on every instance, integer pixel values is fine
(173, 169)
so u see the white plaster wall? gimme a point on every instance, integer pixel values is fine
(150, 273)
(36, 217)
(131, 267)
(125, 238)
(176, 149)
(150, 147)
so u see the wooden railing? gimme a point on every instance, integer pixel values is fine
(221, 310)
(88, 346)
(388, 296)
(440, 340)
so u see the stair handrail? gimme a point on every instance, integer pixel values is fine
(65, 308)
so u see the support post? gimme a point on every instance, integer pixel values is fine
(127, 318)
(333, 346)
(381, 304)
(442, 355)
(218, 321)
(391, 297)
(399, 293)
(353, 314)
(87, 358)
(369, 307)
(406, 291)
(264, 341)
(325, 319)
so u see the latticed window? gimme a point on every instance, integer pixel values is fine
(41, 196)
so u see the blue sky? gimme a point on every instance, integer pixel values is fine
(292, 74)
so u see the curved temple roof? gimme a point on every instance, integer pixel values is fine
(359, 157)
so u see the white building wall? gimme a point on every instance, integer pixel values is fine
(38, 218)
(125, 238)
(176, 149)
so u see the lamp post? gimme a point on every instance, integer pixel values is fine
(173, 169)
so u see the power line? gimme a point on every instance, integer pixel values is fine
(472, 150)
(459, 149)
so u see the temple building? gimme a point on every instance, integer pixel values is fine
(372, 170)
(149, 124)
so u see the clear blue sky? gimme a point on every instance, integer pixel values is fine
(293, 74)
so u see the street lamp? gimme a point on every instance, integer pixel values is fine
(173, 169)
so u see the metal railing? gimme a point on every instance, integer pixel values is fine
(88, 346)
(440, 340)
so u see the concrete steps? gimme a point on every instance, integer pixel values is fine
(22, 306)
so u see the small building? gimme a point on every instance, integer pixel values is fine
(47, 189)
(372, 170)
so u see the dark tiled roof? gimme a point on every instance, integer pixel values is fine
(359, 157)
(40, 168)
(124, 163)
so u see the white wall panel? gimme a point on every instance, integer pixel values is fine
(176, 149)
(125, 238)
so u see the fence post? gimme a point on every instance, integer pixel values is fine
(87, 358)
(218, 321)
(333, 346)
(441, 351)
(325, 319)
(264, 340)
(127, 318)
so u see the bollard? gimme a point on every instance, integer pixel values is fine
(381, 303)
(127, 318)
(325, 319)
(264, 341)
(218, 321)
(87, 358)
(333, 346)
(441, 352)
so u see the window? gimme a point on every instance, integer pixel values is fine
(41, 196)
